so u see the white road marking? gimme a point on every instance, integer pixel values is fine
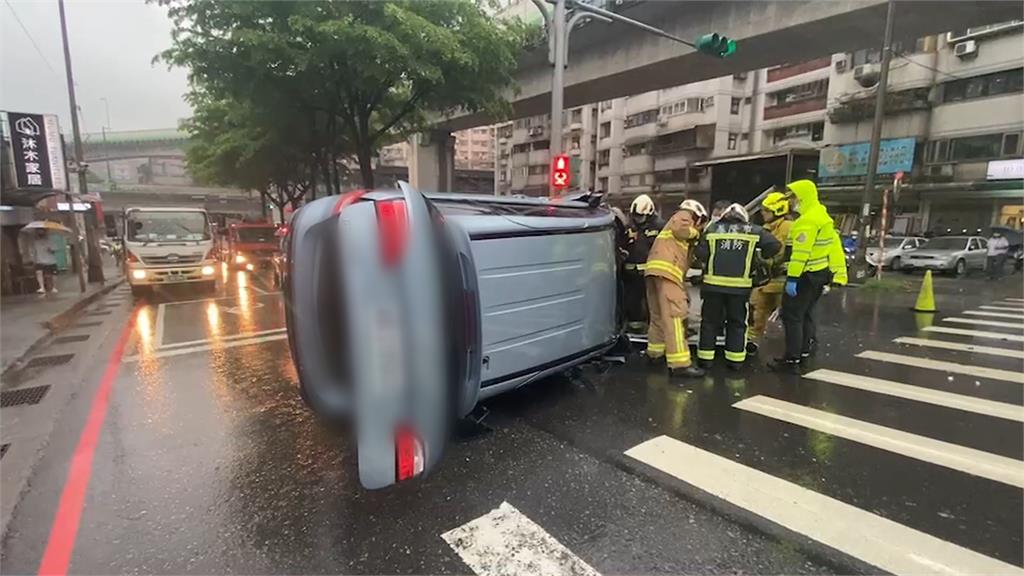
(969, 460)
(880, 542)
(504, 542)
(972, 348)
(1021, 300)
(927, 395)
(974, 333)
(158, 339)
(954, 367)
(995, 314)
(1000, 308)
(996, 323)
(222, 338)
(165, 353)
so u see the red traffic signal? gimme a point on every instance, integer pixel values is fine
(560, 174)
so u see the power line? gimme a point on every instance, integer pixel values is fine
(30, 38)
(927, 67)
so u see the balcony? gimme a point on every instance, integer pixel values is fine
(697, 138)
(864, 108)
(541, 157)
(793, 108)
(790, 70)
(640, 133)
(638, 164)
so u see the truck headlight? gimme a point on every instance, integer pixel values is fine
(239, 259)
(207, 270)
(139, 274)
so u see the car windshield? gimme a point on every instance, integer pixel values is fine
(261, 235)
(166, 226)
(947, 244)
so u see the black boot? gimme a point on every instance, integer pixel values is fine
(690, 371)
(811, 349)
(791, 365)
(752, 348)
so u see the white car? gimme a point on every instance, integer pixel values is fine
(895, 251)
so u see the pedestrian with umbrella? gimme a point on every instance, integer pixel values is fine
(43, 255)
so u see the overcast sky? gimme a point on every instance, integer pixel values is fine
(112, 46)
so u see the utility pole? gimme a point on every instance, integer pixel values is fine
(95, 266)
(860, 262)
(559, 46)
(106, 151)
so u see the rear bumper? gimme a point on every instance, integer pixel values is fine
(172, 274)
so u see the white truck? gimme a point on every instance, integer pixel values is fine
(165, 246)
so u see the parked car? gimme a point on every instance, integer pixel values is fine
(896, 250)
(404, 310)
(952, 254)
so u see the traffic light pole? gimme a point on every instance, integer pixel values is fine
(859, 260)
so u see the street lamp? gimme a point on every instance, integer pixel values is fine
(106, 151)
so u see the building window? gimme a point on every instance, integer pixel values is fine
(1011, 144)
(606, 130)
(641, 118)
(734, 106)
(744, 136)
(636, 150)
(808, 91)
(602, 184)
(732, 140)
(603, 158)
(577, 116)
(747, 100)
(538, 170)
(1005, 82)
(976, 147)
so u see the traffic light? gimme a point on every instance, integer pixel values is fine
(560, 174)
(716, 45)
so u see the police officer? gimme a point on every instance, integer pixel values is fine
(644, 226)
(817, 259)
(667, 265)
(766, 299)
(728, 249)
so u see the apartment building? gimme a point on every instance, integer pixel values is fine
(474, 150)
(524, 155)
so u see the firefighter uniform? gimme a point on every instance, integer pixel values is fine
(765, 299)
(640, 238)
(817, 259)
(728, 248)
(667, 263)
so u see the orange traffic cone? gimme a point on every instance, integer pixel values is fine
(925, 298)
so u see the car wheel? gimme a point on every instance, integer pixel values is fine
(960, 269)
(895, 264)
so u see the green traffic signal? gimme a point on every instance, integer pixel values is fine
(716, 45)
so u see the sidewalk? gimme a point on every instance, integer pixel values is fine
(25, 319)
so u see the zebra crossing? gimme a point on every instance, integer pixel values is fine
(857, 532)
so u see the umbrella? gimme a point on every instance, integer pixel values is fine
(46, 225)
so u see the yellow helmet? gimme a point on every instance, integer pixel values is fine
(776, 203)
(642, 205)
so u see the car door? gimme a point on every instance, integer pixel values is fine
(981, 254)
(383, 326)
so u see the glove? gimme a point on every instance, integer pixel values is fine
(791, 288)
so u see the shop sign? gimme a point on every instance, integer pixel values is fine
(894, 155)
(1006, 169)
(38, 154)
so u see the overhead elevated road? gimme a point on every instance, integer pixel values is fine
(611, 61)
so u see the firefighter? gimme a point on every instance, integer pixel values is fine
(728, 248)
(667, 264)
(816, 260)
(644, 226)
(766, 299)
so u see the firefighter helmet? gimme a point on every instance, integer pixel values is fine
(695, 207)
(736, 211)
(642, 205)
(776, 203)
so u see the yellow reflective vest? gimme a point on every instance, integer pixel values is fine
(816, 244)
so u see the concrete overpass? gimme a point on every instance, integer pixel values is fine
(614, 60)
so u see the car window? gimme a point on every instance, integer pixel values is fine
(973, 245)
(982, 243)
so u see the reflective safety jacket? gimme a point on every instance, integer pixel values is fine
(641, 237)
(779, 228)
(816, 245)
(670, 254)
(727, 249)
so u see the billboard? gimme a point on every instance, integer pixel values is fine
(894, 155)
(37, 150)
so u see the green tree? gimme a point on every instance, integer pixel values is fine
(357, 74)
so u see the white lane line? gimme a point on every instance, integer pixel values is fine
(219, 346)
(927, 395)
(996, 323)
(880, 542)
(158, 339)
(1000, 308)
(974, 333)
(221, 339)
(995, 314)
(954, 367)
(972, 348)
(504, 542)
(969, 460)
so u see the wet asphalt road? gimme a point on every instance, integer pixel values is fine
(208, 461)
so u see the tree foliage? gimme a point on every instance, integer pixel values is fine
(320, 81)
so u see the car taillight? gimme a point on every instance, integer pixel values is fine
(393, 227)
(346, 199)
(130, 256)
(409, 460)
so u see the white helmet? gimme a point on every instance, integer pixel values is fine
(642, 205)
(695, 207)
(738, 211)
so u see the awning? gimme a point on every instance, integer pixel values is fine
(26, 196)
(762, 156)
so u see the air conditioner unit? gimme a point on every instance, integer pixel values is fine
(841, 66)
(965, 49)
(536, 130)
(864, 70)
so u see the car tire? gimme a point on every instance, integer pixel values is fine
(960, 269)
(895, 264)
